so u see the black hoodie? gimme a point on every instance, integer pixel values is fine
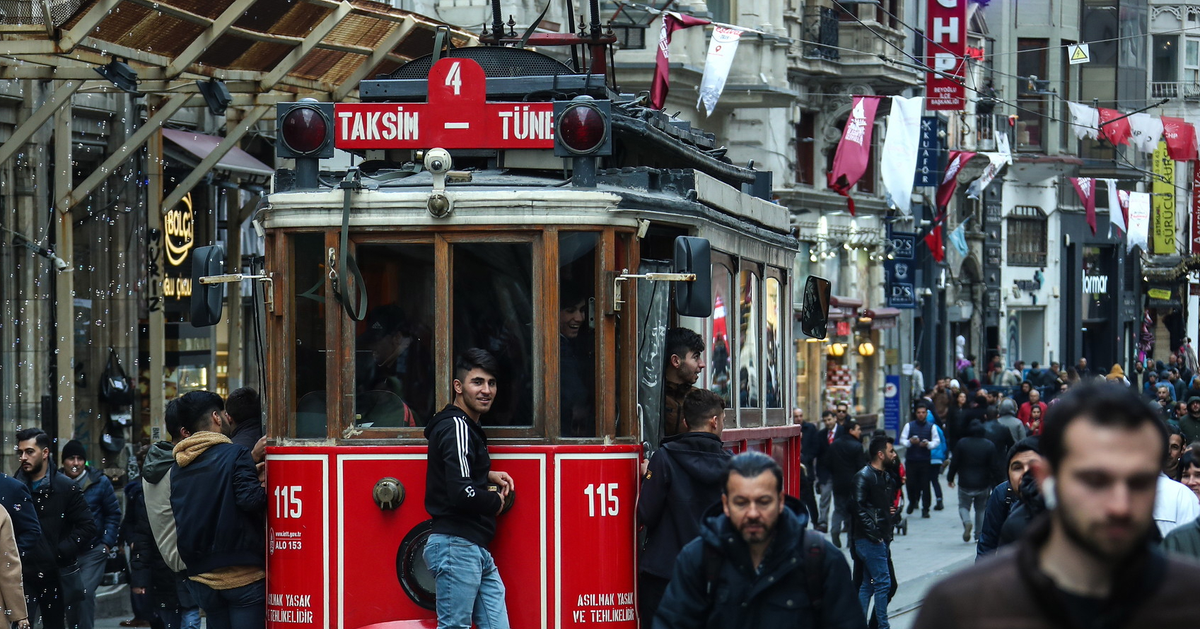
(683, 480)
(456, 483)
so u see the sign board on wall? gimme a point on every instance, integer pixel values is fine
(891, 404)
(1162, 223)
(1195, 208)
(928, 156)
(947, 46)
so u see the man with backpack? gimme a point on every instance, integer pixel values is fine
(755, 564)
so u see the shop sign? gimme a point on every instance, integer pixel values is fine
(179, 223)
(1163, 201)
(843, 328)
(1159, 293)
(891, 403)
(947, 46)
(928, 155)
(1195, 208)
(888, 323)
(901, 271)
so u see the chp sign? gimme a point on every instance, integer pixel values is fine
(457, 116)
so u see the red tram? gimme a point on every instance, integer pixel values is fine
(500, 189)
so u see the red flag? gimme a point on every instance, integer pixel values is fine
(933, 240)
(1181, 139)
(671, 23)
(1086, 188)
(850, 161)
(949, 184)
(1113, 127)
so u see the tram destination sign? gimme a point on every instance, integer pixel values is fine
(456, 116)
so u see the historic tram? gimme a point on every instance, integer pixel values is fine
(506, 202)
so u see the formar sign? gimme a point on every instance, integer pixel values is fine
(457, 116)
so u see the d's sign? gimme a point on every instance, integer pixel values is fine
(946, 47)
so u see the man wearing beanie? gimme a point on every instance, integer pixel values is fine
(106, 512)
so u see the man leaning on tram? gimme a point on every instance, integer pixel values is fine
(463, 508)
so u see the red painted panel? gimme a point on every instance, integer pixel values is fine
(296, 533)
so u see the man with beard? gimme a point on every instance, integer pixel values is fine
(755, 565)
(1090, 563)
(106, 511)
(461, 503)
(1189, 424)
(844, 458)
(1021, 457)
(874, 493)
(67, 528)
(921, 438)
(685, 360)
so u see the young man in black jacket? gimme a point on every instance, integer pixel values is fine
(874, 500)
(220, 512)
(978, 466)
(682, 482)
(844, 459)
(67, 527)
(459, 499)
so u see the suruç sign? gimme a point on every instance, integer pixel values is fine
(947, 45)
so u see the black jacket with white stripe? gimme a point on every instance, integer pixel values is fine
(456, 483)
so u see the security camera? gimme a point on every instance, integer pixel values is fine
(438, 162)
(59, 263)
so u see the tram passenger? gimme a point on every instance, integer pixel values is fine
(464, 510)
(576, 361)
(684, 362)
(757, 554)
(682, 482)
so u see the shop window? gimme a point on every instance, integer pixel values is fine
(720, 353)
(309, 399)
(576, 333)
(394, 380)
(493, 310)
(1026, 236)
(749, 338)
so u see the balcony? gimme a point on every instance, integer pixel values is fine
(1175, 89)
(820, 29)
(867, 64)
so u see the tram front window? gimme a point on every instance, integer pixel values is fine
(493, 310)
(393, 357)
(576, 333)
(309, 405)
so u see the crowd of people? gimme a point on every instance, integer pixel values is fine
(193, 524)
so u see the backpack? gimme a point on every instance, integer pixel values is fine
(814, 561)
(115, 387)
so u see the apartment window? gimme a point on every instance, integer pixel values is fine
(887, 12)
(1031, 118)
(806, 148)
(1191, 61)
(722, 10)
(1027, 236)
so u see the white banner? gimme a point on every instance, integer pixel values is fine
(1003, 146)
(1146, 131)
(721, 49)
(898, 166)
(996, 161)
(1116, 217)
(1139, 220)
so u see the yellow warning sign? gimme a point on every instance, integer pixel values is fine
(1078, 53)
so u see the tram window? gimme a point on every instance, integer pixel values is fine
(310, 418)
(576, 333)
(394, 380)
(748, 359)
(773, 372)
(493, 310)
(720, 353)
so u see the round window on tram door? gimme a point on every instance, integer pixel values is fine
(414, 575)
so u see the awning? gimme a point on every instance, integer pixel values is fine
(883, 313)
(235, 161)
(846, 302)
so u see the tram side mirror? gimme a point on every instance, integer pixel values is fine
(692, 255)
(207, 298)
(814, 310)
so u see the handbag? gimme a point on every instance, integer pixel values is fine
(70, 581)
(115, 387)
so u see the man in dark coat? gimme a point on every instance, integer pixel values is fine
(682, 482)
(1021, 457)
(67, 527)
(684, 352)
(844, 459)
(106, 511)
(920, 438)
(1089, 562)
(244, 407)
(977, 465)
(824, 479)
(220, 510)
(16, 499)
(749, 567)
(874, 496)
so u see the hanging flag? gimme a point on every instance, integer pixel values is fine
(1181, 139)
(1195, 248)
(671, 22)
(1145, 131)
(958, 238)
(1116, 205)
(721, 50)
(898, 165)
(1162, 201)
(1086, 123)
(996, 162)
(933, 240)
(1085, 187)
(1139, 220)
(1114, 126)
(1003, 146)
(850, 161)
(949, 184)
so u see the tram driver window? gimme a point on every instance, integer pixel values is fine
(576, 333)
(308, 362)
(393, 350)
(493, 310)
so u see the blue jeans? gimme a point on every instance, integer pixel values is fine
(244, 607)
(91, 568)
(874, 556)
(468, 585)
